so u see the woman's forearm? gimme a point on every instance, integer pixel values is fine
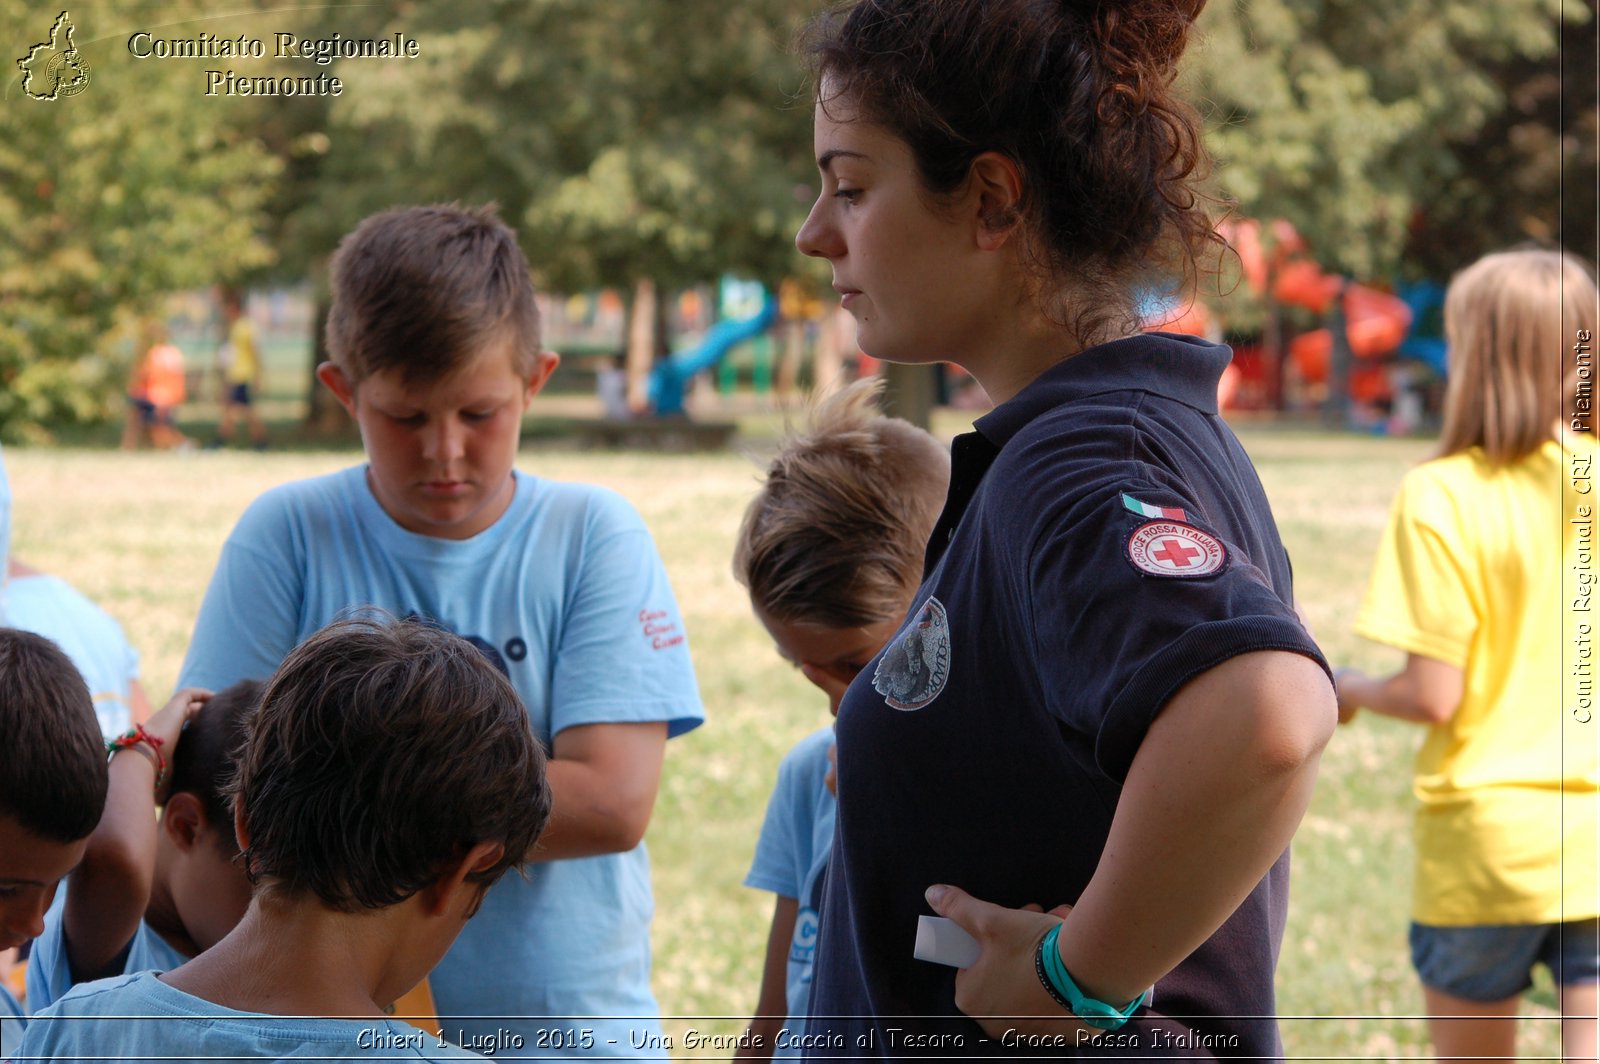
(1214, 795)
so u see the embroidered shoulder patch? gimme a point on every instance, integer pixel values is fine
(915, 665)
(1173, 548)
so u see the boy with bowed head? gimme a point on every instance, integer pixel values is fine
(52, 789)
(387, 780)
(434, 338)
(830, 550)
(153, 890)
(1102, 697)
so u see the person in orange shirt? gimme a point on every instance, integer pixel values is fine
(156, 388)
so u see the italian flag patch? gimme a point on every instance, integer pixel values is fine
(1155, 513)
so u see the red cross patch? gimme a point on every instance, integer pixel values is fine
(1171, 548)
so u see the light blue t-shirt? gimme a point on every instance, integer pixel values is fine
(792, 859)
(93, 640)
(567, 592)
(12, 1023)
(138, 1017)
(50, 973)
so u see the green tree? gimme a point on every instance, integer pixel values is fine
(1348, 118)
(626, 140)
(110, 199)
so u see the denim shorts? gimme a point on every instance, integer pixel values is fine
(1495, 961)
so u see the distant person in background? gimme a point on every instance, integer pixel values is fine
(49, 606)
(156, 388)
(240, 364)
(1468, 583)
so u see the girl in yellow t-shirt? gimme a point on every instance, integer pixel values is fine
(1476, 579)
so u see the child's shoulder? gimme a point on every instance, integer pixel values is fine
(308, 499)
(105, 997)
(594, 507)
(46, 592)
(1456, 483)
(808, 758)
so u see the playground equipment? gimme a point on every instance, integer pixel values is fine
(1375, 325)
(670, 378)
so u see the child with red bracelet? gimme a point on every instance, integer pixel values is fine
(389, 778)
(151, 894)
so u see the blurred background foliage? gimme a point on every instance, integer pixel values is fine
(669, 141)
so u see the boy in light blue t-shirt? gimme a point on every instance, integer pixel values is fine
(387, 780)
(831, 552)
(152, 893)
(434, 338)
(52, 790)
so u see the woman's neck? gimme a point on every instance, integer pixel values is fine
(1020, 347)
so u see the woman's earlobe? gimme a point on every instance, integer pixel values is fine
(997, 182)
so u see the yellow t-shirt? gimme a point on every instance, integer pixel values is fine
(1471, 572)
(242, 370)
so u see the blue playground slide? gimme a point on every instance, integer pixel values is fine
(1426, 300)
(672, 374)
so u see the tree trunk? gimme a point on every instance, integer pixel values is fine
(911, 392)
(641, 354)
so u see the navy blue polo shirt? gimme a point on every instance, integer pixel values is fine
(1105, 540)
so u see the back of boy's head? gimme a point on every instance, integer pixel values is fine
(836, 535)
(54, 785)
(382, 751)
(420, 290)
(207, 755)
(1510, 319)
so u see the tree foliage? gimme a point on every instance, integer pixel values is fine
(1354, 120)
(669, 140)
(109, 200)
(625, 140)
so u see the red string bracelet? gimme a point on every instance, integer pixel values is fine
(133, 739)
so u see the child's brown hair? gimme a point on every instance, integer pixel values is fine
(55, 785)
(837, 533)
(382, 751)
(207, 755)
(422, 289)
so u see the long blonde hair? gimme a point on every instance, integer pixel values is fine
(1511, 318)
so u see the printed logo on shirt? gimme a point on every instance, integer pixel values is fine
(1171, 548)
(916, 663)
(486, 648)
(659, 627)
(803, 949)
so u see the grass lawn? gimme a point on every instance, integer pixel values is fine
(139, 533)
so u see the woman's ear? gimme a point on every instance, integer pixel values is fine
(241, 830)
(996, 182)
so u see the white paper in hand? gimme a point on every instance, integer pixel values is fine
(944, 942)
